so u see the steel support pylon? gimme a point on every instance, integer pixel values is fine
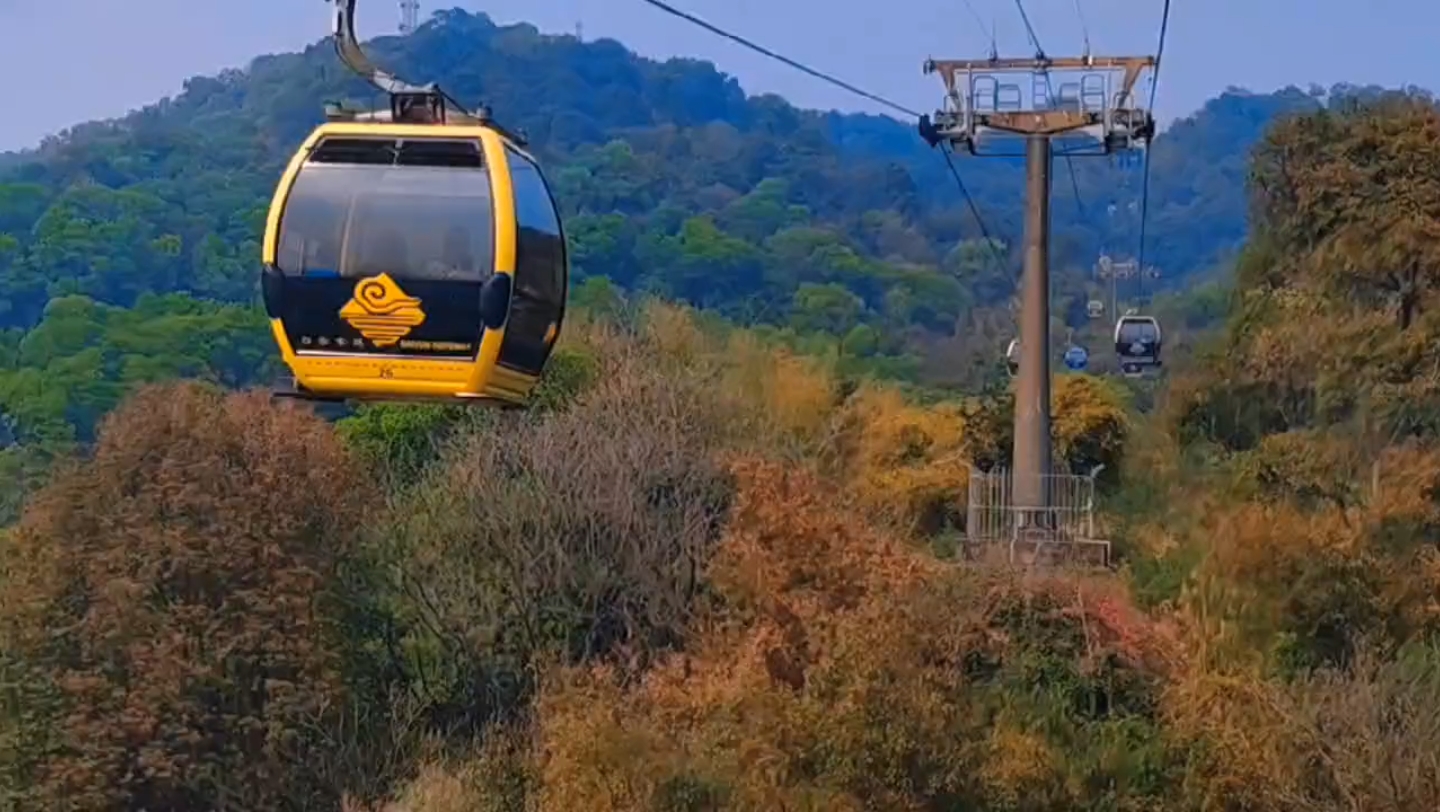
(1032, 384)
(1100, 110)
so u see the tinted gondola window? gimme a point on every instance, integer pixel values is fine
(541, 277)
(413, 209)
(1140, 331)
(539, 224)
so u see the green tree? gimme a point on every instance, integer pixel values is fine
(827, 308)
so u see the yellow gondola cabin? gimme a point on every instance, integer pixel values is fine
(413, 253)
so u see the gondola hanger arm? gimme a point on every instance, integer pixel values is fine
(349, 50)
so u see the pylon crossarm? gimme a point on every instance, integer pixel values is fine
(1049, 122)
(1099, 98)
(1131, 65)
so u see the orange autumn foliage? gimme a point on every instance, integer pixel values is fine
(841, 670)
(165, 609)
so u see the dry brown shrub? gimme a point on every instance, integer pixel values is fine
(1334, 569)
(1293, 587)
(1266, 545)
(787, 542)
(167, 602)
(1223, 701)
(582, 533)
(497, 777)
(675, 330)
(1338, 548)
(1400, 520)
(1308, 469)
(1374, 730)
(844, 670)
(1326, 564)
(1247, 757)
(772, 400)
(1361, 737)
(788, 562)
(908, 465)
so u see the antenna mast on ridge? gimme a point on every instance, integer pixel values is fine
(409, 16)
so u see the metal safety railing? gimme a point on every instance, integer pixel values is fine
(1062, 526)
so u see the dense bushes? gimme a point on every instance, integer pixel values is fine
(248, 609)
(689, 578)
(849, 671)
(174, 613)
(574, 535)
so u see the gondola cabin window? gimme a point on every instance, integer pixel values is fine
(416, 209)
(1138, 332)
(541, 270)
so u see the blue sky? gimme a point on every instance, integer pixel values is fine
(100, 58)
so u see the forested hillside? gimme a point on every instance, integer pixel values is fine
(713, 565)
(843, 233)
(656, 144)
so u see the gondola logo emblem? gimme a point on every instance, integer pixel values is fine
(381, 311)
